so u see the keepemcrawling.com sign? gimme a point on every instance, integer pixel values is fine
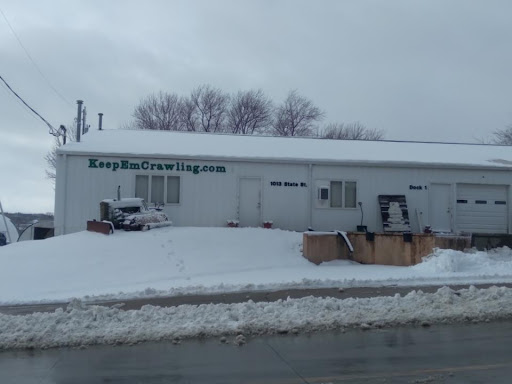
(150, 166)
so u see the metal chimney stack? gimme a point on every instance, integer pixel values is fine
(79, 120)
(100, 122)
(84, 118)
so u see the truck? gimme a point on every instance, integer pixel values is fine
(132, 214)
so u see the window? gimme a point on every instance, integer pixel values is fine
(142, 187)
(173, 189)
(158, 189)
(350, 194)
(336, 194)
(343, 194)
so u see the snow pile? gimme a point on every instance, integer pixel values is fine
(495, 261)
(226, 146)
(179, 261)
(81, 325)
(92, 264)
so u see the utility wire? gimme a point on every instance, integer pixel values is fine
(34, 63)
(19, 104)
(52, 131)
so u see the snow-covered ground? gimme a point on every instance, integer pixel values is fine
(170, 261)
(173, 261)
(80, 325)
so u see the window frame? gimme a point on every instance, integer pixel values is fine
(343, 193)
(150, 186)
(166, 189)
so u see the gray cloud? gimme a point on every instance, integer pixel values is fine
(432, 70)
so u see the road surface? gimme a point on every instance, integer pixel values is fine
(469, 353)
(238, 297)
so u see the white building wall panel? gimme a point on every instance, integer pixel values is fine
(60, 195)
(412, 182)
(371, 182)
(285, 192)
(85, 188)
(206, 198)
(288, 191)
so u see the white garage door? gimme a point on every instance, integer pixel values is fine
(482, 208)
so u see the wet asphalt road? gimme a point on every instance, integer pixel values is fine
(238, 297)
(462, 353)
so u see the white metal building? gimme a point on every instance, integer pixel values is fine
(206, 180)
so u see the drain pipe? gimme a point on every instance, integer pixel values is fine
(345, 238)
(362, 215)
(310, 199)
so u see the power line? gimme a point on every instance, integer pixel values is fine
(19, 104)
(52, 131)
(33, 61)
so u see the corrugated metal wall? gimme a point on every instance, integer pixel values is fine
(289, 192)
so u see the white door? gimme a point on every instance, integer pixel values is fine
(482, 208)
(250, 202)
(440, 211)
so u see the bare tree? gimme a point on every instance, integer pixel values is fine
(503, 136)
(249, 112)
(296, 116)
(189, 120)
(159, 111)
(351, 131)
(210, 109)
(128, 125)
(51, 156)
(51, 159)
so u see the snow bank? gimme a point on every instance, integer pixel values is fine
(179, 261)
(81, 325)
(495, 261)
(92, 264)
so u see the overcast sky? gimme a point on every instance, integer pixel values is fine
(418, 70)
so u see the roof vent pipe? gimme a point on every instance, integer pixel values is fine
(100, 122)
(63, 132)
(79, 120)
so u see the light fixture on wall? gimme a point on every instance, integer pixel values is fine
(323, 193)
